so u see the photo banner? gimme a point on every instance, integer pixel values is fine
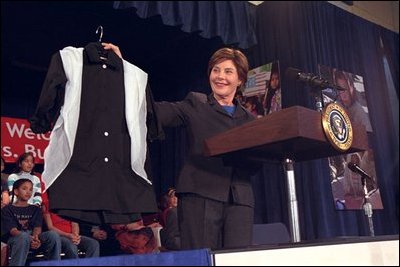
(348, 185)
(17, 138)
(262, 93)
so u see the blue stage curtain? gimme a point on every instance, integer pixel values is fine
(302, 35)
(232, 21)
(200, 257)
(390, 47)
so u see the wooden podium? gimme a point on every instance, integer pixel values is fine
(289, 135)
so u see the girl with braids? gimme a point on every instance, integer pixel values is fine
(24, 169)
(21, 226)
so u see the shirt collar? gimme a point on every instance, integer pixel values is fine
(92, 51)
(211, 99)
(239, 110)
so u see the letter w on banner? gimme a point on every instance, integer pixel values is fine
(17, 138)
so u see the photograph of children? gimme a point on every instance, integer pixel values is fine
(350, 189)
(262, 93)
(352, 98)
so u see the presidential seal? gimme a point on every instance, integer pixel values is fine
(337, 127)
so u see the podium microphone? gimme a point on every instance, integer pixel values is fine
(311, 79)
(355, 168)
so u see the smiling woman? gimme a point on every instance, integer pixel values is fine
(213, 194)
(227, 71)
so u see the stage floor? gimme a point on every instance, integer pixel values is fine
(346, 251)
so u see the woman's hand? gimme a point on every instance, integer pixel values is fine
(110, 46)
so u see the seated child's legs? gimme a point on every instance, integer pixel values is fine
(51, 245)
(90, 245)
(19, 248)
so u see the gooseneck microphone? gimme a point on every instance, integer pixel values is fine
(357, 169)
(311, 79)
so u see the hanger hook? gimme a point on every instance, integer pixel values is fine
(101, 32)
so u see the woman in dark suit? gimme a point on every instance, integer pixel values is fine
(216, 200)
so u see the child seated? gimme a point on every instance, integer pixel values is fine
(21, 227)
(71, 240)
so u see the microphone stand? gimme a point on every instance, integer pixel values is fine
(317, 94)
(367, 206)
